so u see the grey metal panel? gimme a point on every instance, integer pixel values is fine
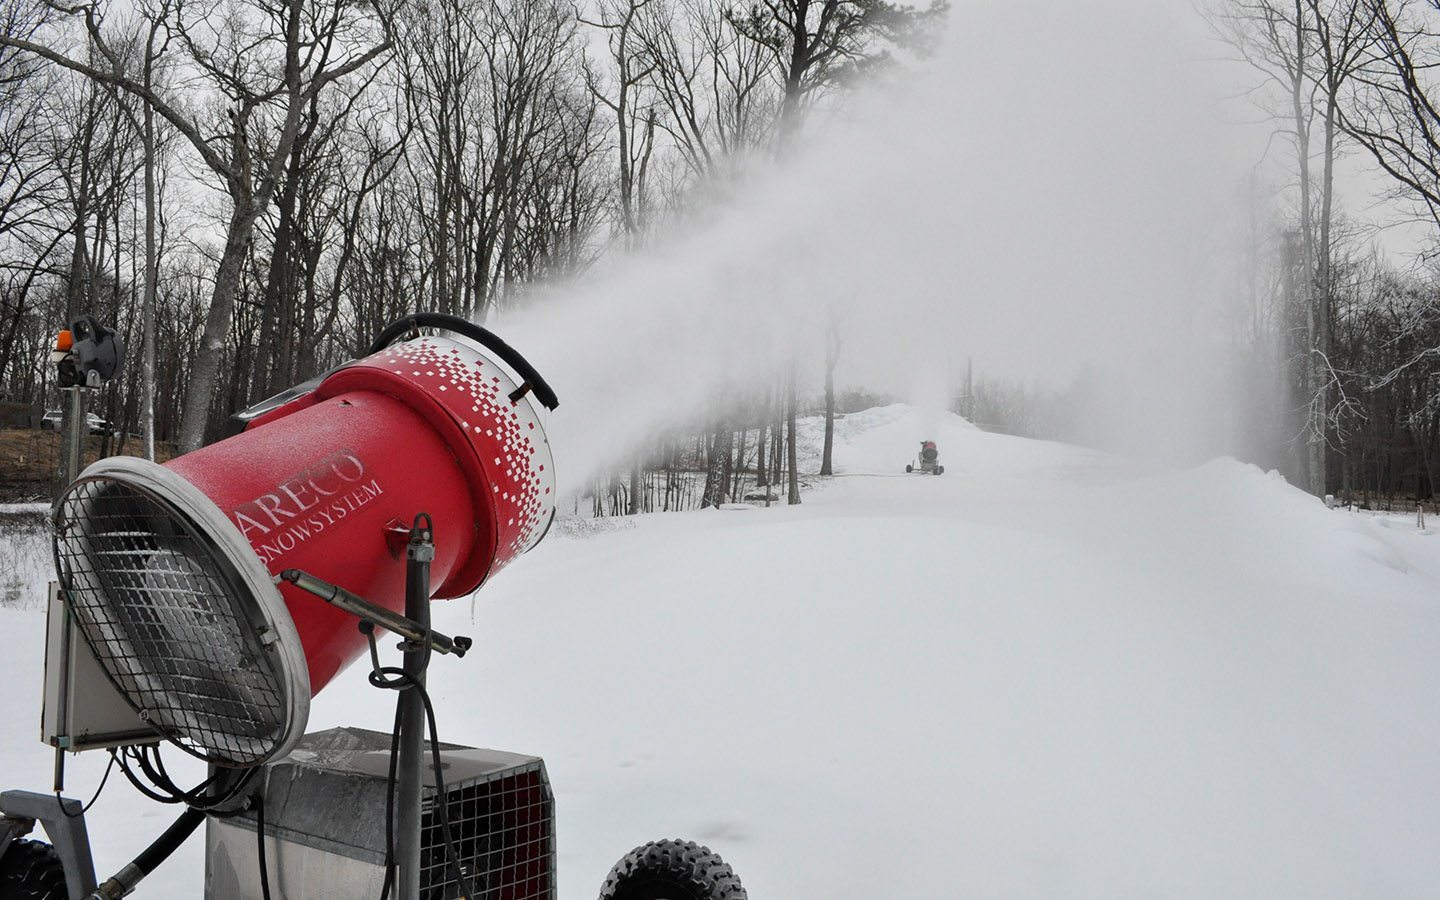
(82, 710)
(299, 872)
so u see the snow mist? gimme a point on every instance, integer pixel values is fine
(1041, 197)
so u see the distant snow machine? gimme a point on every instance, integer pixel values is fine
(929, 460)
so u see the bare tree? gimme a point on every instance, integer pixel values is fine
(717, 86)
(251, 58)
(824, 44)
(1392, 112)
(628, 98)
(31, 186)
(1307, 52)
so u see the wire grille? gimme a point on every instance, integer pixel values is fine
(504, 833)
(168, 621)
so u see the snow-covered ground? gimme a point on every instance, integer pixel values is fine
(1045, 674)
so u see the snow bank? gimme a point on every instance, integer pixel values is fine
(1044, 674)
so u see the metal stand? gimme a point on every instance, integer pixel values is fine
(418, 555)
(75, 435)
(419, 642)
(72, 455)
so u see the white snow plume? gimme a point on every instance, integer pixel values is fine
(1039, 197)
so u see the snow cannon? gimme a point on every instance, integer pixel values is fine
(928, 462)
(171, 571)
(203, 602)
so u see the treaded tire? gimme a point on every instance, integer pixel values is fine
(672, 870)
(31, 870)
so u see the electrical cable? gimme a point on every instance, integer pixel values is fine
(141, 786)
(59, 801)
(393, 678)
(260, 846)
(390, 806)
(162, 789)
(443, 805)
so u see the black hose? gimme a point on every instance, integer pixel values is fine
(167, 843)
(483, 336)
(124, 881)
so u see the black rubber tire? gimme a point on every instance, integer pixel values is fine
(31, 870)
(909, 469)
(939, 470)
(672, 870)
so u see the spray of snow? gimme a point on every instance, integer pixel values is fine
(1039, 198)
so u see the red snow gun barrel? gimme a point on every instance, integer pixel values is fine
(168, 569)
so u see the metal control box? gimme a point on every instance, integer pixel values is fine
(325, 822)
(82, 710)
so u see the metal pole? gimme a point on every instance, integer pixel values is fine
(71, 462)
(74, 436)
(418, 554)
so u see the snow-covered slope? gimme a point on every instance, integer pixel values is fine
(1044, 674)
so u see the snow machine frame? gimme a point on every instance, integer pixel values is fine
(63, 819)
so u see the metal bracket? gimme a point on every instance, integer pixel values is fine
(13, 827)
(418, 633)
(64, 821)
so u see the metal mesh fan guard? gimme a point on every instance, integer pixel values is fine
(504, 833)
(174, 618)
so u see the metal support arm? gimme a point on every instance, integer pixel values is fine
(406, 627)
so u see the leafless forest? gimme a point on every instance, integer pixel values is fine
(251, 189)
(1352, 335)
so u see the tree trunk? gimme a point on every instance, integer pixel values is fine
(1322, 350)
(76, 300)
(206, 367)
(832, 357)
(737, 468)
(147, 309)
(715, 469)
(777, 444)
(762, 474)
(277, 309)
(1315, 438)
(790, 457)
(636, 479)
(795, 68)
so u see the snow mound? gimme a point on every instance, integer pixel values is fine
(1051, 673)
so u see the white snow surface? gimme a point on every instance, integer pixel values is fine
(1044, 674)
